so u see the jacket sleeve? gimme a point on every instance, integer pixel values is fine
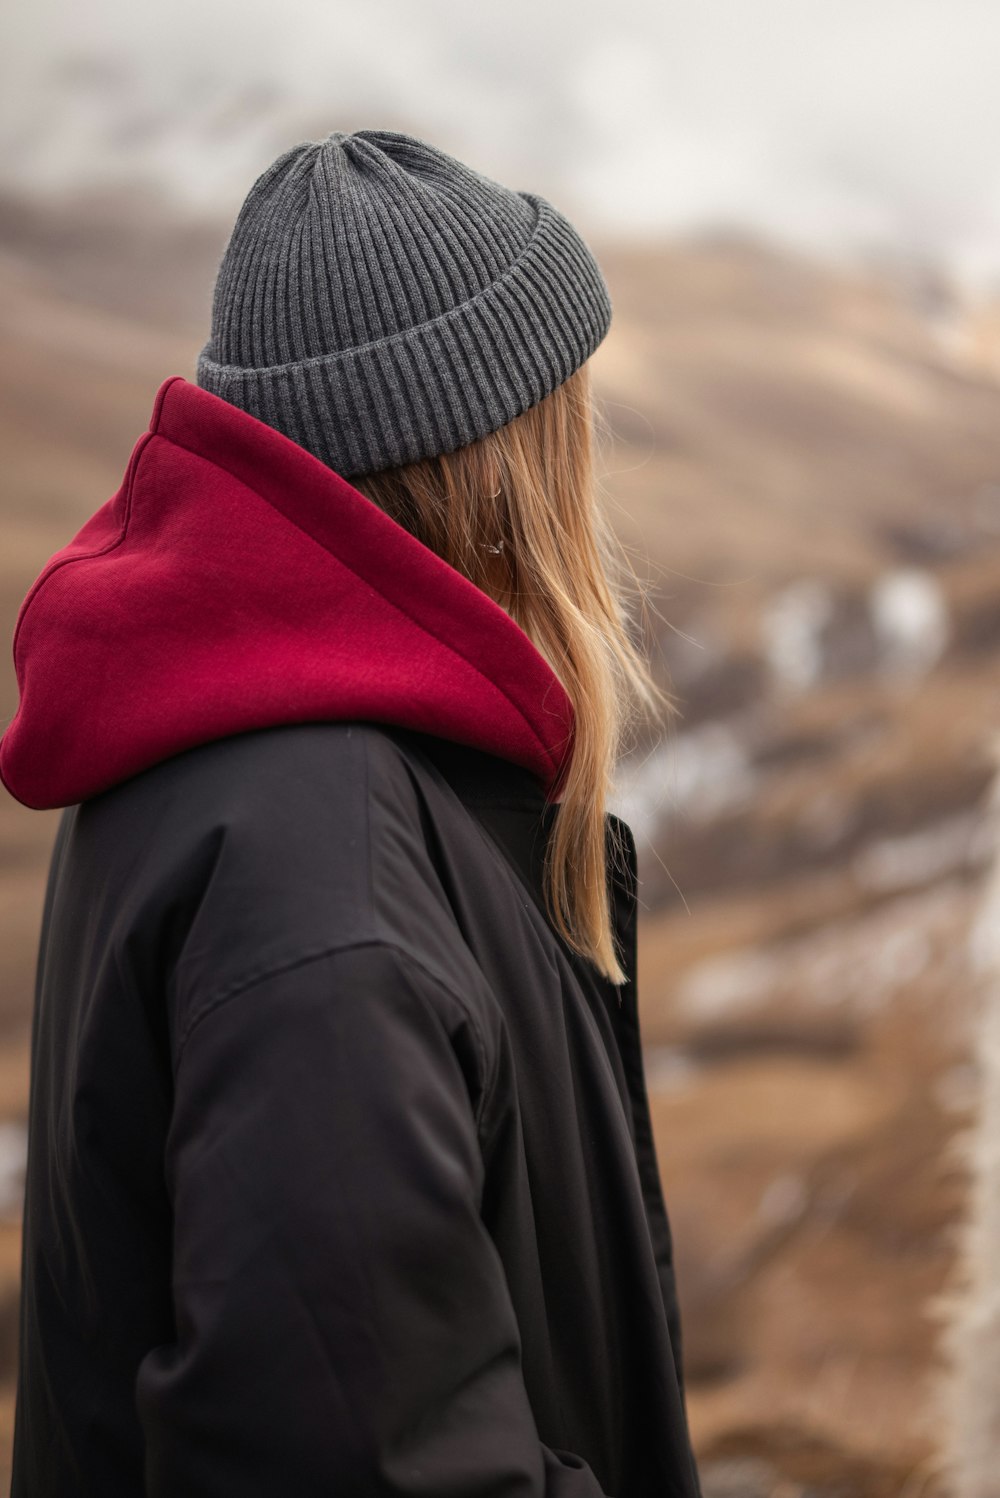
(342, 1319)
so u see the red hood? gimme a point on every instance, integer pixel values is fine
(236, 582)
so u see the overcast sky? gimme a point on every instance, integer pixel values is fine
(841, 125)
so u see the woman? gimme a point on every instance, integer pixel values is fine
(341, 1177)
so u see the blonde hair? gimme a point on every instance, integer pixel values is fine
(517, 513)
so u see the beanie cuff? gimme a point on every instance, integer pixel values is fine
(444, 383)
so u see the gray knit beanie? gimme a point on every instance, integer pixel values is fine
(379, 302)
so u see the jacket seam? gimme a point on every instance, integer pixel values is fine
(370, 880)
(304, 959)
(445, 644)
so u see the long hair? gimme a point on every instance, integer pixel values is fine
(518, 514)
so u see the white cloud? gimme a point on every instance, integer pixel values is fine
(837, 124)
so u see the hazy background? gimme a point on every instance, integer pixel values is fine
(855, 126)
(797, 207)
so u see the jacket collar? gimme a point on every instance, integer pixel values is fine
(511, 806)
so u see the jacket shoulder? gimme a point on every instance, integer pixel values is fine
(281, 844)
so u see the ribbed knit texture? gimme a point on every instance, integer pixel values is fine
(379, 301)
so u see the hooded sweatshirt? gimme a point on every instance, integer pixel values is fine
(234, 581)
(341, 1177)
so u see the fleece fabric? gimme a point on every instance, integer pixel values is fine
(235, 581)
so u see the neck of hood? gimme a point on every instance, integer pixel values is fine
(235, 582)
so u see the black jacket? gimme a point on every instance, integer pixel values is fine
(341, 1177)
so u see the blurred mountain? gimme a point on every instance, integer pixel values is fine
(804, 465)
